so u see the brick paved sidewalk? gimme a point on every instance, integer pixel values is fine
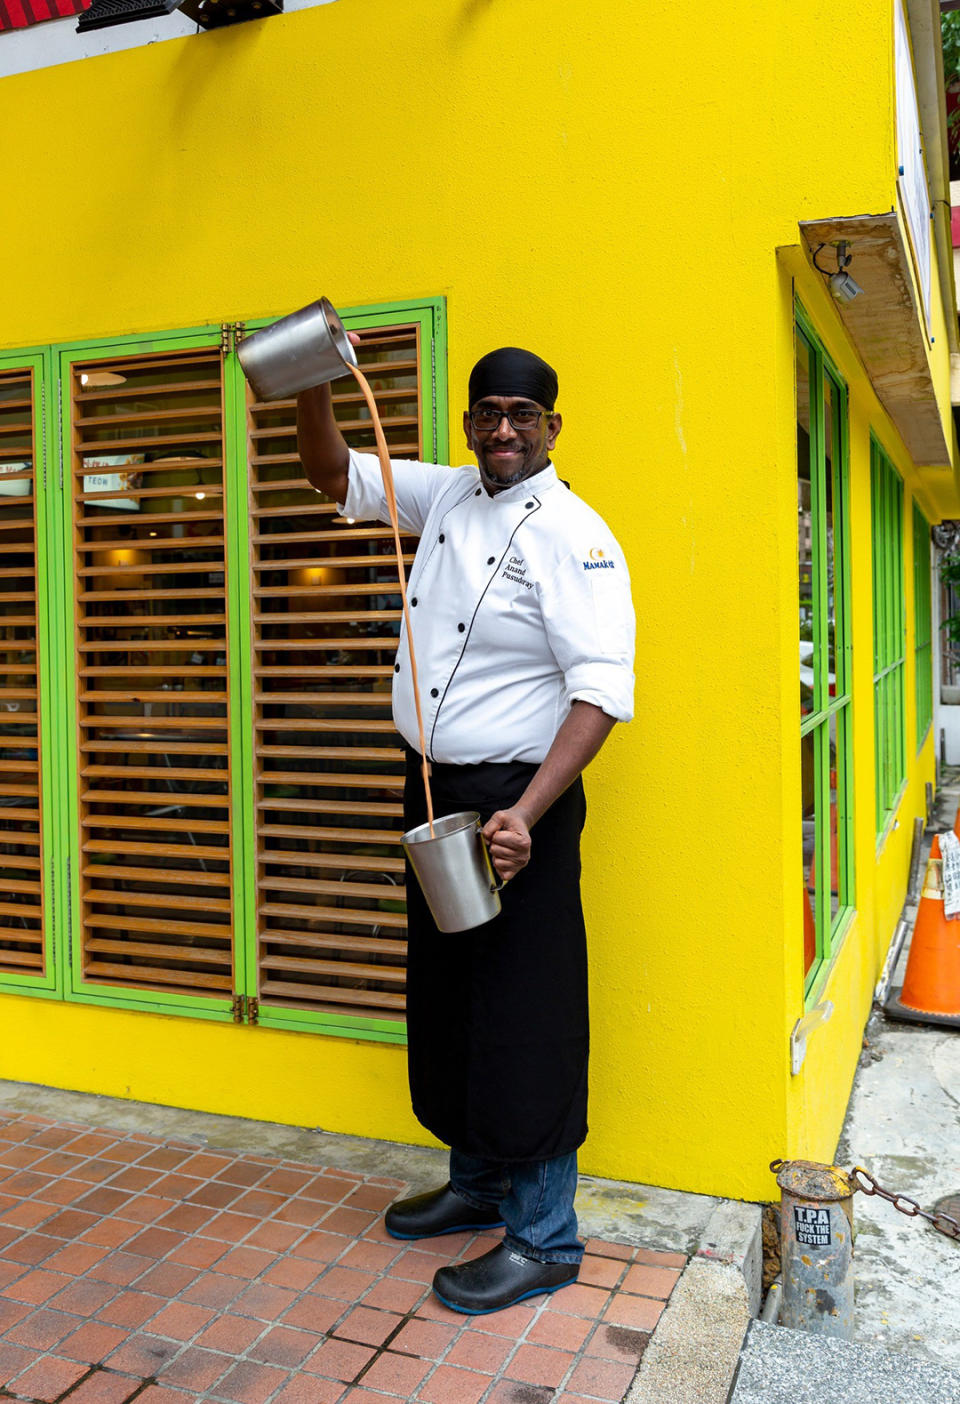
(138, 1268)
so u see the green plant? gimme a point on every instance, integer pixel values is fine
(950, 575)
(950, 33)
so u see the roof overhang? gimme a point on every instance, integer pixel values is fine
(887, 328)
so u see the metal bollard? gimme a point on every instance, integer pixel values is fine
(816, 1247)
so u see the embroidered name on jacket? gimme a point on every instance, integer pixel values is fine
(516, 570)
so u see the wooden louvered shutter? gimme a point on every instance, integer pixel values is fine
(23, 918)
(155, 851)
(331, 922)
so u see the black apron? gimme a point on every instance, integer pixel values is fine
(497, 1021)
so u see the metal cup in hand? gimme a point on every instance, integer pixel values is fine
(306, 348)
(453, 868)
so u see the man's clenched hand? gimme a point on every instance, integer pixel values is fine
(508, 836)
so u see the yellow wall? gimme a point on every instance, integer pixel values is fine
(608, 184)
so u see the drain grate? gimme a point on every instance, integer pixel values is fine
(949, 1205)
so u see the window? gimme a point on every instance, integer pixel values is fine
(328, 764)
(26, 805)
(923, 628)
(824, 624)
(156, 769)
(224, 778)
(889, 633)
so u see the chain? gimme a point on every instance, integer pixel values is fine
(865, 1182)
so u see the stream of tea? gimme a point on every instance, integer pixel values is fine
(391, 496)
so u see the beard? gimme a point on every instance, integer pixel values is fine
(527, 465)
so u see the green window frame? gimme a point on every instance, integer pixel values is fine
(889, 634)
(53, 370)
(22, 861)
(923, 624)
(824, 598)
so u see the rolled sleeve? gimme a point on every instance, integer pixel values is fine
(417, 486)
(590, 623)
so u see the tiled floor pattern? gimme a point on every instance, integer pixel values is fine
(133, 1268)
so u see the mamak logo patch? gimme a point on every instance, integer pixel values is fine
(598, 561)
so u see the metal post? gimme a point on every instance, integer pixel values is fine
(913, 882)
(816, 1247)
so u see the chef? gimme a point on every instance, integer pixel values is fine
(523, 627)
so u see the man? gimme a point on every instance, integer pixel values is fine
(523, 628)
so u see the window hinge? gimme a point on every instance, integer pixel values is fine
(239, 332)
(43, 431)
(53, 912)
(59, 449)
(69, 915)
(226, 338)
(433, 391)
(245, 1010)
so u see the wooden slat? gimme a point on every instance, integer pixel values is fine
(93, 447)
(327, 834)
(130, 898)
(155, 823)
(156, 978)
(344, 914)
(155, 748)
(147, 951)
(196, 852)
(143, 392)
(377, 891)
(310, 996)
(31, 960)
(168, 544)
(339, 969)
(207, 930)
(20, 909)
(375, 863)
(157, 798)
(153, 772)
(171, 876)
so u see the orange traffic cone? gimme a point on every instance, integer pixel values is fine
(931, 985)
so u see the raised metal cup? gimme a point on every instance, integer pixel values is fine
(306, 348)
(453, 868)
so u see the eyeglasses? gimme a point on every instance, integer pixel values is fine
(487, 420)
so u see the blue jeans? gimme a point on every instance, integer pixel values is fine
(535, 1199)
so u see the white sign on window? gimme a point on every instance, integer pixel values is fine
(112, 481)
(913, 176)
(20, 487)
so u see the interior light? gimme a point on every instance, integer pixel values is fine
(96, 379)
(199, 496)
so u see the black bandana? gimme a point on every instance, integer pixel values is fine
(511, 371)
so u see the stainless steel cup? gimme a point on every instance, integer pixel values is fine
(454, 871)
(306, 348)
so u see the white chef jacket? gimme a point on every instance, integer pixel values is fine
(519, 604)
